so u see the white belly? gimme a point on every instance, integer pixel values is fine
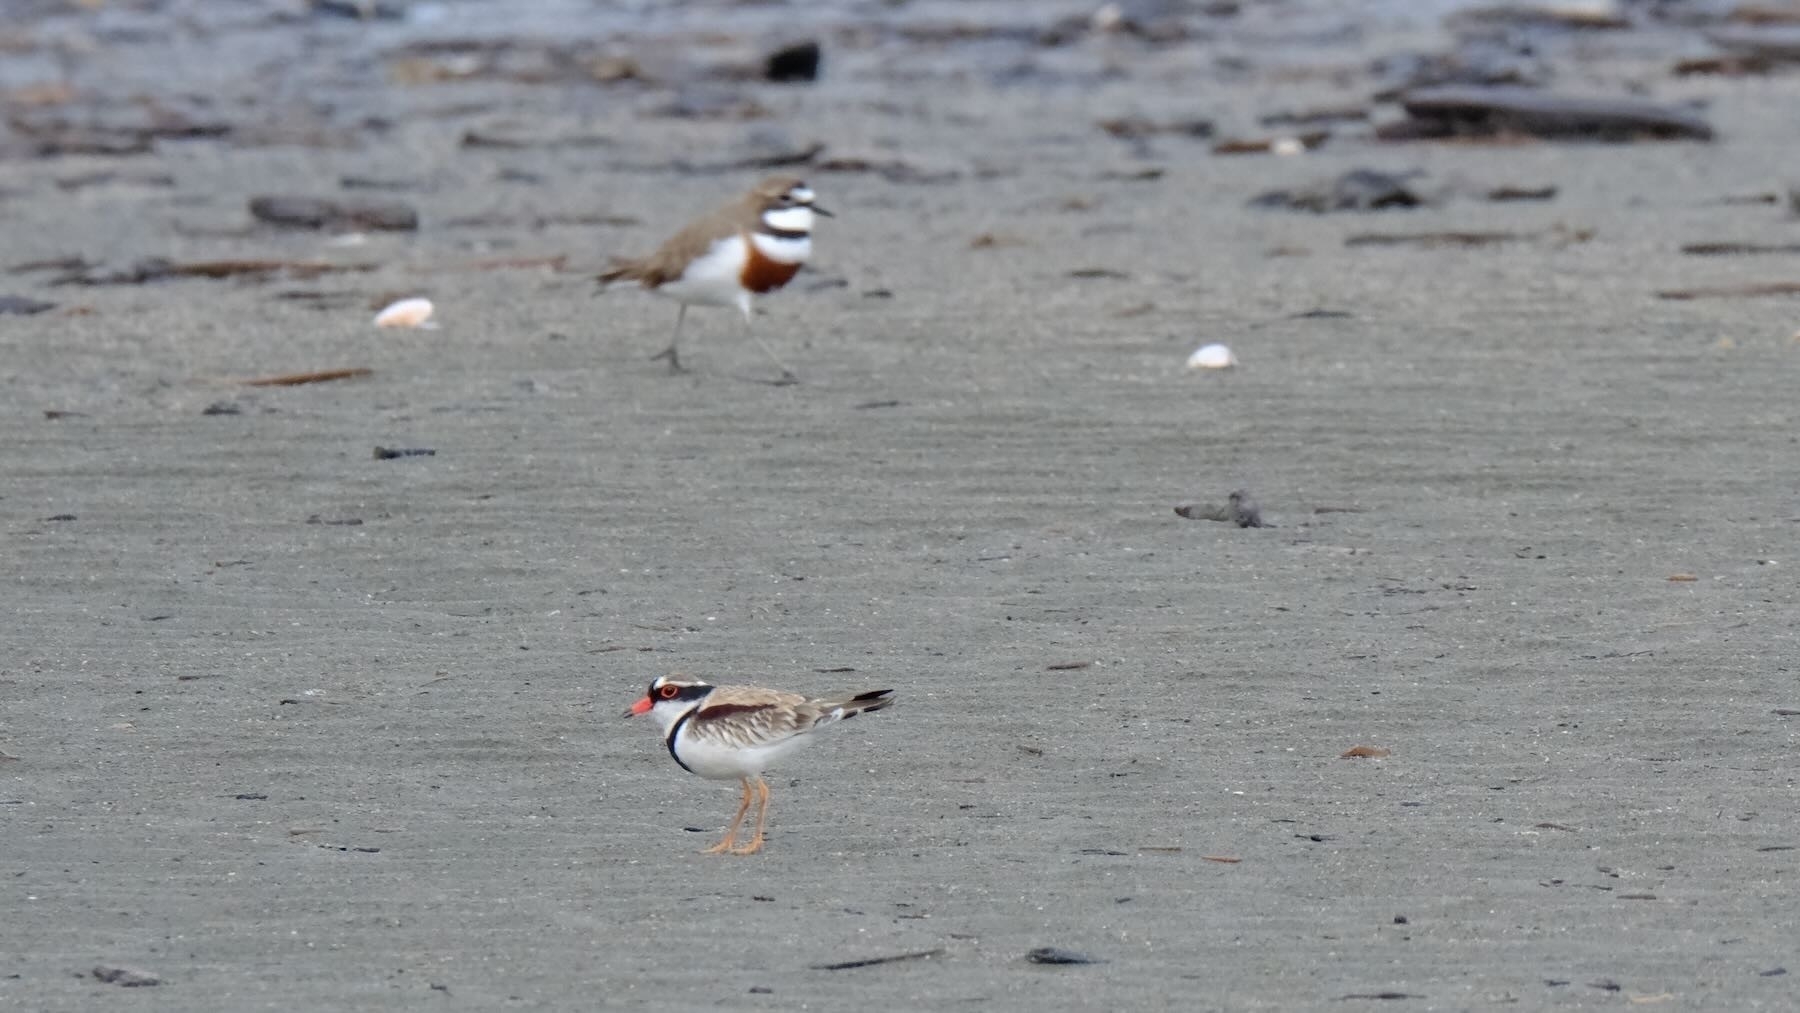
(723, 763)
(712, 278)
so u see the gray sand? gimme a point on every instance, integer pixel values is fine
(290, 764)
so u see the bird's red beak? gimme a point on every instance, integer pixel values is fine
(641, 707)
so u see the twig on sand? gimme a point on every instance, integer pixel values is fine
(1058, 955)
(1732, 291)
(320, 376)
(872, 961)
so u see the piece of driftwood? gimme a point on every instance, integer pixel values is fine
(1462, 111)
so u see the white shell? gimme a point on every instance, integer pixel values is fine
(1212, 357)
(1288, 146)
(407, 313)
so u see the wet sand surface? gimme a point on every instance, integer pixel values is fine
(287, 726)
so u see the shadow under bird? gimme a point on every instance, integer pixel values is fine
(751, 246)
(727, 732)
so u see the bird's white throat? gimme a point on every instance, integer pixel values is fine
(794, 219)
(667, 712)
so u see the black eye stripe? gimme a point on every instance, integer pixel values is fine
(660, 691)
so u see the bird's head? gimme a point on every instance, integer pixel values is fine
(669, 697)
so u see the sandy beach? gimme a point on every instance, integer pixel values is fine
(287, 726)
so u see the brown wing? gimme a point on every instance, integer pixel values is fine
(681, 249)
(752, 696)
(744, 716)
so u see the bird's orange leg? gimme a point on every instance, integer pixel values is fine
(736, 821)
(755, 843)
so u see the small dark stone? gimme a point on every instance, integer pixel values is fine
(223, 408)
(389, 453)
(1058, 955)
(798, 62)
(125, 977)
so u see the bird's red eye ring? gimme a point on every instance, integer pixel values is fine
(669, 692)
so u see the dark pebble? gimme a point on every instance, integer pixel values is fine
(125, 977)
(1058, 955)
(798, 62)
